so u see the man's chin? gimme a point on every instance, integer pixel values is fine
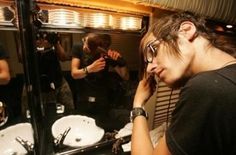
(177, 84)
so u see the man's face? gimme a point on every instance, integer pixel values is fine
(85, 45)
(168, 67)
(42, 41)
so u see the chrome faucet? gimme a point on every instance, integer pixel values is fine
(58, 141)
(26, 144)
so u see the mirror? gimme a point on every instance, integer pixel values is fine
(11, 93)
(54, 73)
(123, 91)
(115, 114)
(16, 132)
(118, 98)
(12, 120)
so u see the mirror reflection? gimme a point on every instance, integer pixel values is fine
(54, 87)
(100, 73)
(11, 80)
(4, 80)
(93, 75)
(15, 130)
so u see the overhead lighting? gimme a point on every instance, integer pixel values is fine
(63, 17)
(97, 20)
(87, 18)
(229, 26)
(130, 23)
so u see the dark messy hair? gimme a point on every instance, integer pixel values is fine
(106, 40)
(167, 28)
(93, 41)
(98, 40)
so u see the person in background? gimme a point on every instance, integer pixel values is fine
(4, 68)
(4, 80)
(182, 52)
(92, 60)
(54, 87)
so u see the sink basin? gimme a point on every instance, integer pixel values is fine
(83, 130)
(8, 143)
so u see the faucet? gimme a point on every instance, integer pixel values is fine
(26, 144)
(58, 141)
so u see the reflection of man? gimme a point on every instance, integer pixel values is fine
(4, 68)
(4, 80)
(91, 62)
(54, 87)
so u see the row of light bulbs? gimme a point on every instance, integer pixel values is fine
(94, 19)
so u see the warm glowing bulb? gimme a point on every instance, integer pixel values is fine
(130, 23)
(229, 26)
(99, 20)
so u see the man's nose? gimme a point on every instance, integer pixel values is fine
(151, 67)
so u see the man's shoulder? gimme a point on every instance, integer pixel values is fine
(228, 73)
(219, 74)
(206, 81)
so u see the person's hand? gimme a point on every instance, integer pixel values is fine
(97, 65)
(144, 91)
(114, 55)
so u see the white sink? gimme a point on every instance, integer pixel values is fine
(83, 130)
(8, 143)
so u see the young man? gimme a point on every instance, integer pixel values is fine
(90, 66)
(180, 51)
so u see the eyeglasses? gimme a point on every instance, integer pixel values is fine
(150, 50)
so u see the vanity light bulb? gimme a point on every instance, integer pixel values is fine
(229, 26)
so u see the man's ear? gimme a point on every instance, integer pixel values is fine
(188, 30)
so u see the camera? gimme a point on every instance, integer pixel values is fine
(51, 37)
(119, 62)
